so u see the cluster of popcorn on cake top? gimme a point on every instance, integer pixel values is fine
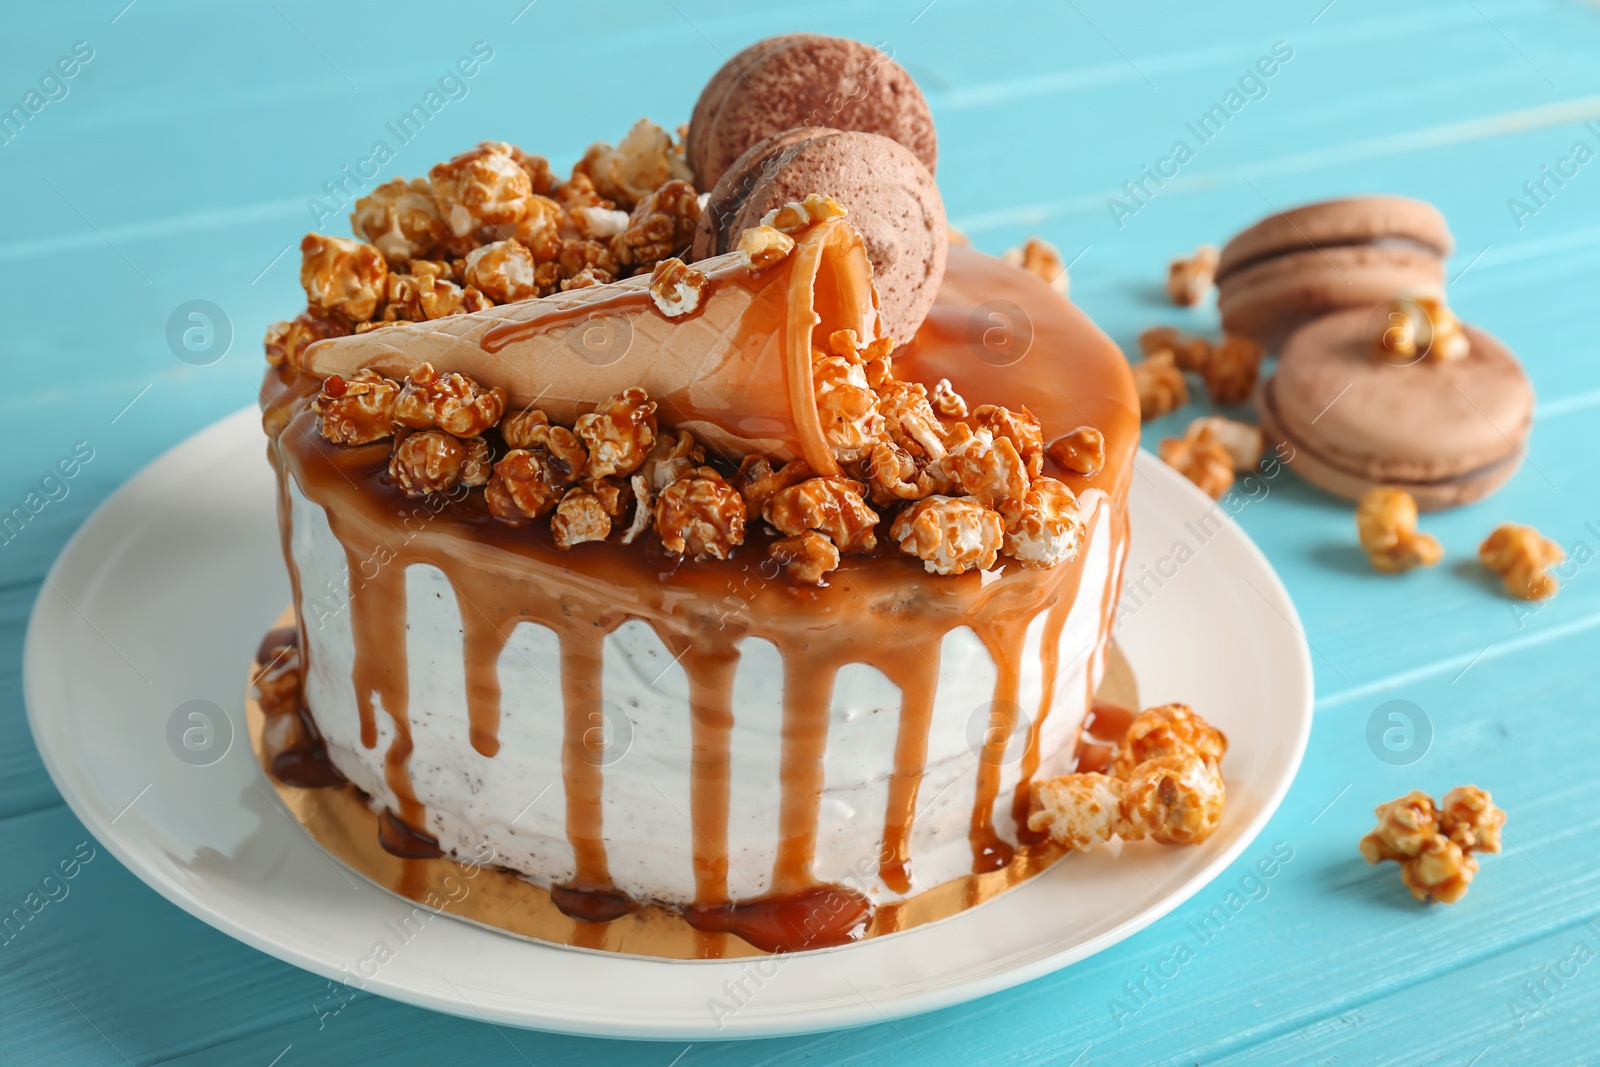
(493, 226)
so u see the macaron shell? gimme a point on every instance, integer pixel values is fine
(807, 80)
(1366, 422)
(1270, 300)
(893, 202)
(714, 234)
(724, 81)
(1358, 220)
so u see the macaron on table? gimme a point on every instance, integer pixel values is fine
(1418, 152)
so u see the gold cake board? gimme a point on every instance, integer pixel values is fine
(339, 819)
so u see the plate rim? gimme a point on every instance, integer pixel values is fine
(595, 1024)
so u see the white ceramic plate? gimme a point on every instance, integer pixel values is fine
(162, 596)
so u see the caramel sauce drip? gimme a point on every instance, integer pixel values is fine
(1050, 662)
(1102, 732)
(880, 608)
(406, 841)
(819, 916)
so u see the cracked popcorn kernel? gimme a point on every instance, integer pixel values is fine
(1202, 460)
(502, 271)
(1522, 556)
(763, 246)
(1188, 353)
(453, 402)
(1077, 810)
(946, 401)
(1168, 730)
(432, 461)
(1241, 441)
(662, 225)
(1190, 279)
(1386, 521)
(1230, 371)
(846, 407)
(1160, 386)
(1040, 258)
(835, 506)
(523, 487)
(482, 191)
(799, 215)
(1021, 428)
(343, 276)
(676, 288)
(1045, 526)
(759, 480)
(401, 219)
(356, 410)
(700, 516)
(286, 342)
(619, 433)
(564, 454)
(806, 557)
(1176, 800)
(951, 535)
(1082, 451)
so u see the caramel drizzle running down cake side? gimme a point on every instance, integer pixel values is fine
(504, 575)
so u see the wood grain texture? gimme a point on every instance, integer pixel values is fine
(179, 167)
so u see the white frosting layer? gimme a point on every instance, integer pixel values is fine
(516, 800)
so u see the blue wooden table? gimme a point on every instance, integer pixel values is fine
(189, 149)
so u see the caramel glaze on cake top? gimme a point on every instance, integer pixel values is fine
(1069, 375)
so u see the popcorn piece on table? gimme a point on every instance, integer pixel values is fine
(1040, 258)
(676, 288)
(834, 506)
(700, 516)
(1190, 279)
(619, 433)
(1434, 845)
(1241, 441)
(1230, 371)
(401, 219)
(951, 535)
(1189, 353)
(432, 461)
(451, 402)
(356, 410)
(1386, 521)
(1522, 556)
(1082, 451)
(343, 276)
(1201, 459)
(807, 557)
(1160, 386)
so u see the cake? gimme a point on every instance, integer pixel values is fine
(686, 584)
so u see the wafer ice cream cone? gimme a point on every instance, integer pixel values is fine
(736, 371)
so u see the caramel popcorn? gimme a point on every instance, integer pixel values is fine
(675, 455)
(643, 508)
(982, 465)
(276, 682)
(846, 406)
(1435, 846)
(1522, 556)
(584, 515)
(563, 453)
(286, 342)
(950, 534)
(1242, 442)
(401, 219)
(759, 480)
(1202, 460)
(763, 246)
(807, 556)
(502, 271)
(1045, 526)
(1077, 810)
(676, 288)
(482, 192)
(1189, 280)
(539, 230)
(1166, 784)
(909, 419)
(1421, 326)
(1082, 451)
(598, 223)
(578, 191)
(701, 516)
(1188, 353)
(619, 433)
(584, 278)
(1020, 428)
(835, 506)
(342, 275)
(643, 161)
(537, 168)
(1165, 731)
(1040, 258)
(1230, 371)
(894, 474)
(799, 215)
(946, 401)
(576, 256)
(523, 487)
(1386, 521)
(357, 410)
(1160, 386)
(432, 461)
(662, 225)
(452, 402)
